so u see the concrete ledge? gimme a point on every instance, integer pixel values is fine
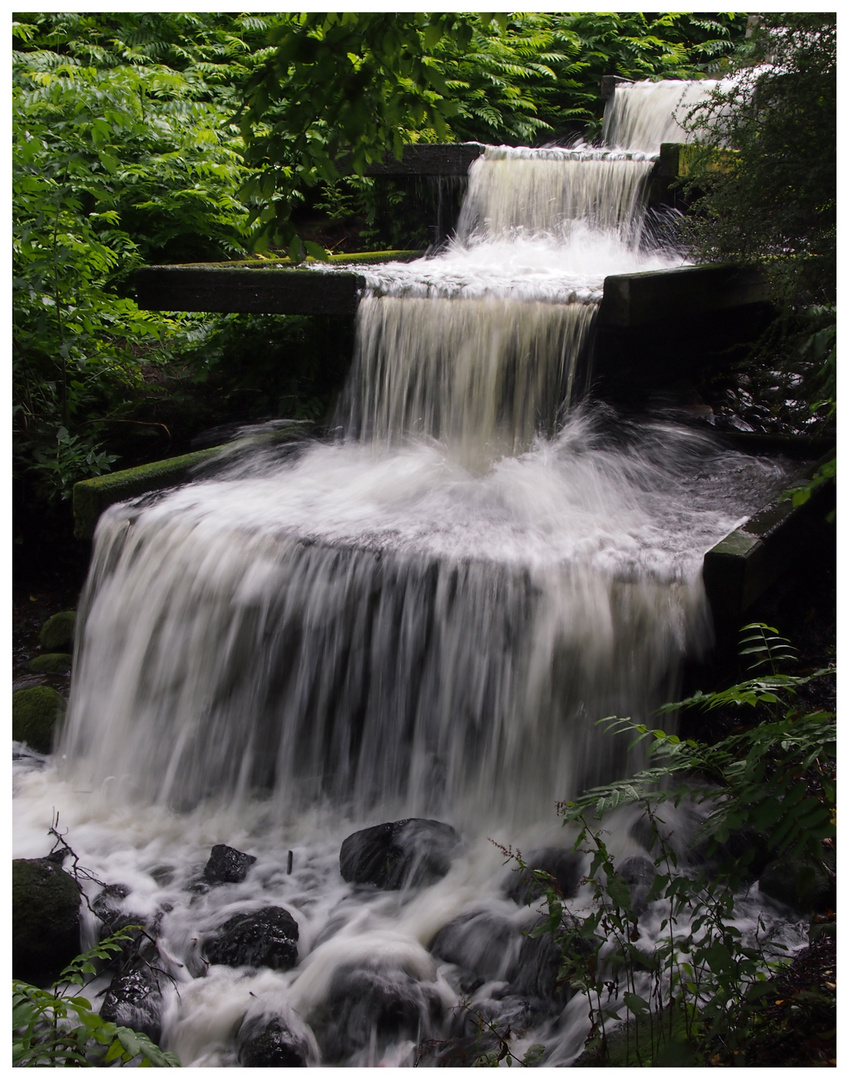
(749, 561)
(256, 286)
(677, 159)
(657, 296)
(429, 159)
(91, 497)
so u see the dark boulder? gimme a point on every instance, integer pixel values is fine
(482, 943)
(134, 999)
(264, 938)
(45, 920)
(227, 866)
(563, 867)
(370, 1005)
(265, 1043)
(799, 883)
(638, 873)
(398, 854)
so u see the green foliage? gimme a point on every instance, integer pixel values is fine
(347, 88)
(774, 202)
(124, 153)
(776, 777)
(58, 1028)
(696, 994)
(669, 1006)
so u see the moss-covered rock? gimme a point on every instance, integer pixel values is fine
(45, 920)
(57, 634)
(54, 663)
(35, 713)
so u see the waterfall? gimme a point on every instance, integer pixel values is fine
(643, 115)
(426, 616)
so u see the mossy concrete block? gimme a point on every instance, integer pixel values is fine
(51, 664)
(748, 561)
(45, 920)
(57, 634)
(35, 713)
(682, 159)
(92, 497)
(261, 287)
(657, 296)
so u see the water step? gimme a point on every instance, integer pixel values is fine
(737, 571)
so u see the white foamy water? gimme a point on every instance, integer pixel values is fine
(643, 115)
(425, 618)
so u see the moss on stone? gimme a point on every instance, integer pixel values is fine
(51, 663)
(57, 634)
(35, 714)
(92, 497)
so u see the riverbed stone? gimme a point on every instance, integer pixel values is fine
(562, 865)
(36, 711)
(54, 663)
(265, 1043)
(799, 883)
(57, 634)
(264, 938)
(399, 854)
(45, 920)
(638, 873)
(367, 1005)
(134, 998)
(227, 865)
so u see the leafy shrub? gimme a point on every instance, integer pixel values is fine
(57, 1028)
(694, 998)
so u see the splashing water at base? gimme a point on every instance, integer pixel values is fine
(423, 620)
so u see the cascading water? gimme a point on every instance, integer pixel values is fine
(424, 618)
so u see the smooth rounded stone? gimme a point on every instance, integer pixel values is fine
(482, 943)
(638, 873)
(227, 866)
(264, 938)
(561, 864)
(264, 1042)
(36, 711)
(45, 920)
(134, 998)
(51, 663)
(799, 884)
(369, 1004)
(57, 634)
(536, 972)
(399, 854)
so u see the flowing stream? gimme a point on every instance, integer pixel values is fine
(423, 618)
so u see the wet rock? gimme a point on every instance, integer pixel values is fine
(799, 883)
(482, 943)
(226, 865)
(265, 938)
(57, 634)
(45, 920)
(262, 1043)
(638, 873)
(35, 713)
(398, 854)
(51, 663)
(536, 971)
(134, 999)
(368, 1005)
(563, 866)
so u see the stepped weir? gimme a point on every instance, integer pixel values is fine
(421, 619)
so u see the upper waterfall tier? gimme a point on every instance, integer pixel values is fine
(642, 115)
